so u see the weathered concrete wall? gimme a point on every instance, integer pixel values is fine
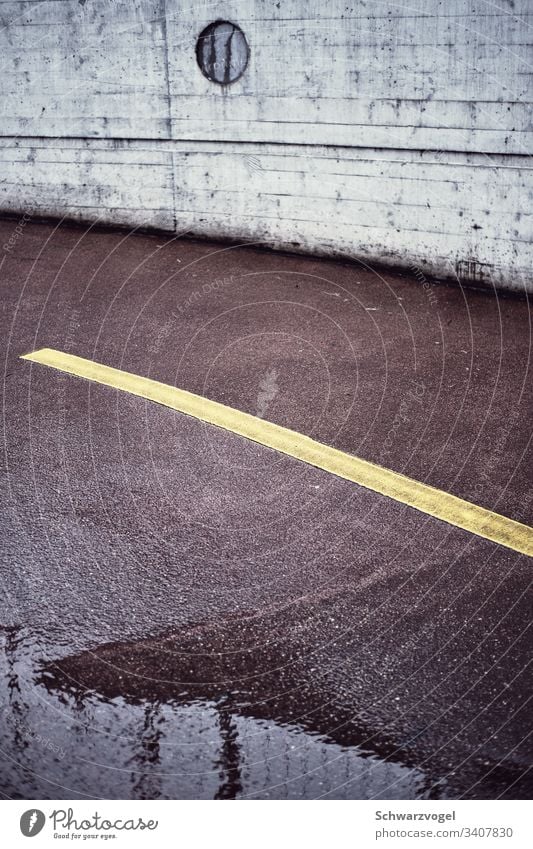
(393, 133)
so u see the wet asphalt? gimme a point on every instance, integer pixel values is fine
(185, 614)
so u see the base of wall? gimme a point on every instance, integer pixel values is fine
(453, 216)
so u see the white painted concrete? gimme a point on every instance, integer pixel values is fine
(397, 133)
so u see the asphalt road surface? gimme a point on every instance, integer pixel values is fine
(186, 614)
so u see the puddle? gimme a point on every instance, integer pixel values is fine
(203, 713)
(186, 717)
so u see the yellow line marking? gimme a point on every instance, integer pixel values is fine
(427, 499)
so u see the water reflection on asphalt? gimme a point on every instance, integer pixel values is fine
(105, 724)
(193, 715)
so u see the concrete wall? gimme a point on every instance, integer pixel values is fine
(390, 132)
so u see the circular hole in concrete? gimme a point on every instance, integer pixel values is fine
(222, 52)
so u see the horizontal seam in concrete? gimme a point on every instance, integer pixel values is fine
(272, 143)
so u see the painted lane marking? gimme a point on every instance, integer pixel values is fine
(434, 502)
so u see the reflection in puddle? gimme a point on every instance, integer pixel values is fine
(220, 712)
(190, 716)
(202, 750)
